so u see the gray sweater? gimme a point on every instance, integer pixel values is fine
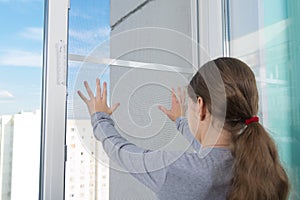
(203, 174)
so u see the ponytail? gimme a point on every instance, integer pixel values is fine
(258, 173)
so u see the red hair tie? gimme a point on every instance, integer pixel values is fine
(252, 119)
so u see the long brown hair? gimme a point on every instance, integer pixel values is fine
(257, 172)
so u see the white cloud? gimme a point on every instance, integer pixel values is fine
(21, 58)
(33, 33)
(5, 95)
(90, 36)
(76, 13)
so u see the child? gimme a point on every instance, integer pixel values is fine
(241, 160)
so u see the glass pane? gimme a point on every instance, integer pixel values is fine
(21, 48)
(264, 34)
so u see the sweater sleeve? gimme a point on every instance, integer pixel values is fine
(145, 165)
(183, 127)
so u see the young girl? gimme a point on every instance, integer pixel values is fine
(240, 159)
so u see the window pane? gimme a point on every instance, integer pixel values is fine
(264, 34)
(21, 47)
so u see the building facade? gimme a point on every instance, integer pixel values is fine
(87, 171)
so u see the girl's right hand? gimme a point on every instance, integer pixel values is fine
(178, 105)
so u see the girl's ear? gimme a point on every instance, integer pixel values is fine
(201, 108)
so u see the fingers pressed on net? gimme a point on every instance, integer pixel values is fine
(82, 96)
(173, 92)
(182, 96)
(162, 108)
(88, 89)
(115, 106)
(98, 92)
(179, 94)
(174, 98)
(104, 94)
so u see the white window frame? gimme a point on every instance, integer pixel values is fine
(213, 39)
(53, 154)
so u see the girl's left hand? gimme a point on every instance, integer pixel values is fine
(97, 103)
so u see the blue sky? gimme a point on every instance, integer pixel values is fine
(20, 55)
(21, 47)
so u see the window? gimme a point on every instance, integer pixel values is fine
(133, 46)
(264, 34)
(21, 48)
